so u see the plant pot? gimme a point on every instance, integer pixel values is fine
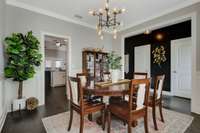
(115, 75)
(19, 104)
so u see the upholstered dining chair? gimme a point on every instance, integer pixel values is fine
(80, 105)
(84, 82)
(156, 99)
(106, 76)
(131, 111)
(137, 75)
(140, 75)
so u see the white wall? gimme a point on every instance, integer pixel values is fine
(2, 89)
(117, 44)
(21, 20)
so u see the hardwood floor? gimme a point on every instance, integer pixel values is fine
(56, 102)
(30, 122)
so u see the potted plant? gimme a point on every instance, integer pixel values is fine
(114, 63)
(22, 56)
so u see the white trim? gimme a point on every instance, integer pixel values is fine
(196, 106)
(170, 10)
(2, 119)
(65, 18)
(167, 93)
(42, 93)
(173, 42)
(193, 17)
(46, 12)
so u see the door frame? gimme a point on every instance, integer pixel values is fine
(172, 89)
(149, 45)
(191, 16)
(41, 92)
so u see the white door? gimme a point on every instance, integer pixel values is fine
(142, 59)
(181, 67)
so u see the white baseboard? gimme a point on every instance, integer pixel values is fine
(167, 93)
(2, 119)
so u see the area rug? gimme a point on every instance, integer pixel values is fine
(174, 123)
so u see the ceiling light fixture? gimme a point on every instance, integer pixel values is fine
(107, 19)
(147, 32)
(58, 44)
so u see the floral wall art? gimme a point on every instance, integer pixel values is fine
(159, 55)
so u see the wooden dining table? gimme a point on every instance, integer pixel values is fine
(107, 90)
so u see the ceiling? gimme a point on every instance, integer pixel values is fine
(138, 11)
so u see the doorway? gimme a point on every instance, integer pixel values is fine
(142, 59)
(56, 64)
(181, 66)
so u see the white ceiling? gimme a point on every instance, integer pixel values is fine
(138, 11)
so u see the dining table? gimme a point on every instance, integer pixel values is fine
(108, 89)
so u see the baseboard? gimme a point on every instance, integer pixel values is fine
(167, 93)
(2, 119)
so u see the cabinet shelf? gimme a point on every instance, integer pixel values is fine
(94, 63)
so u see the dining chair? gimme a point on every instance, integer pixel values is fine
(131, 111)
(85, 82)
(137, 75)
(82, 106)
(106, 76)
(140, 75)
(156, 99)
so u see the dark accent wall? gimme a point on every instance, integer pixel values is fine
(169, 33)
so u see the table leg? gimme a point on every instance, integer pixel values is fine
(99, 119)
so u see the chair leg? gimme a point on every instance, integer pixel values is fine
(146, 123)
(129, 127)
(81, 123)
(124, 122)
(154, 117)
(161, 112)
(70, 120)
(103, 119)
(109, 121)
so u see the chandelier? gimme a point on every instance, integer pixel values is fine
(107, 19)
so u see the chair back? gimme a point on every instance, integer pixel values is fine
(139, 75)
(158, 87)
(83, 78)
(76, 91)
(106, 76)
(141, 86)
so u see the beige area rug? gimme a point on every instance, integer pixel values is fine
(174, 123)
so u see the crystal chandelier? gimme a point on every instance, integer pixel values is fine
(107, 19)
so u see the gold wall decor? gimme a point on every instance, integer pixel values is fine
(159, 55)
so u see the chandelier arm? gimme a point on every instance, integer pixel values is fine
(107, 19)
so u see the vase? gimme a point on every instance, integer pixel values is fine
(115, 75)
(19, 104)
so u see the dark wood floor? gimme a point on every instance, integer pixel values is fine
(56, 102)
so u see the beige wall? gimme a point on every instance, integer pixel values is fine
(117, 44)
(2, 89)
(21, 20)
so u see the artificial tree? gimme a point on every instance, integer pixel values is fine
(114, 63)
(23, 55)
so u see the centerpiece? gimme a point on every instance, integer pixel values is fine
(114, 63)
